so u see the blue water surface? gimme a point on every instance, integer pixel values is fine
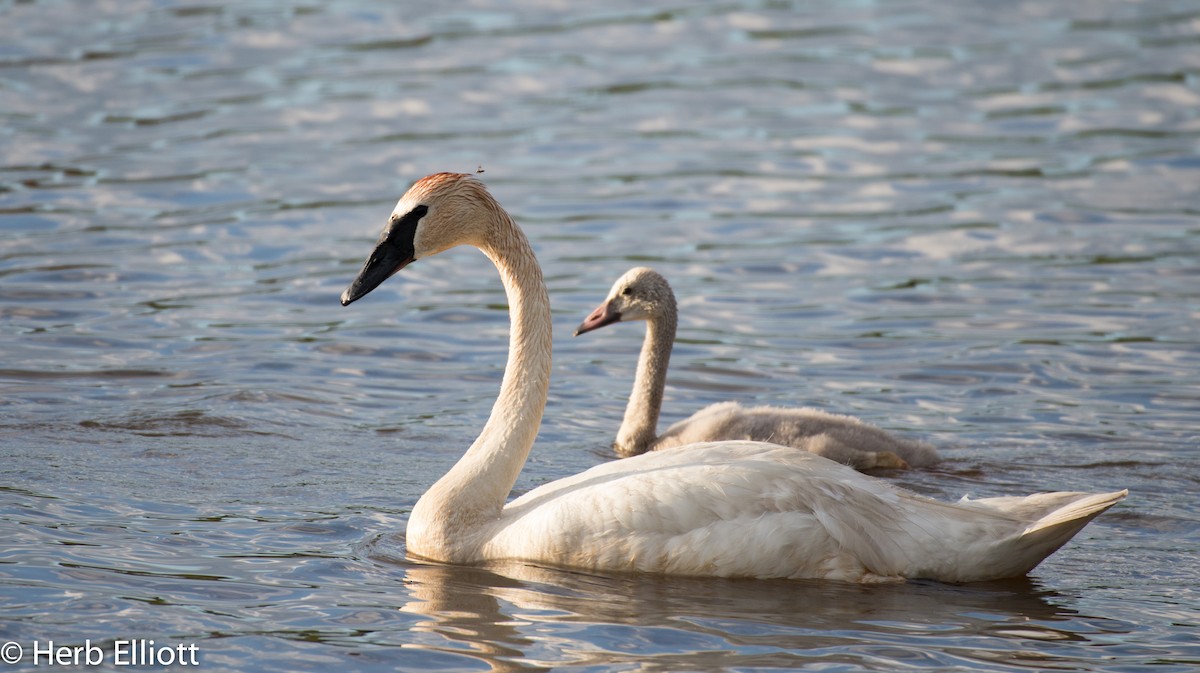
(972, 223)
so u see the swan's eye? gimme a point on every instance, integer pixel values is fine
(627, 292)
(413, 216)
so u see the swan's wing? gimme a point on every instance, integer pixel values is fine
(728, 508)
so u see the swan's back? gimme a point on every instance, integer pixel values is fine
(747, 509)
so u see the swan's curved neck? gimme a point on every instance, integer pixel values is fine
(639, 429)
(448, 521)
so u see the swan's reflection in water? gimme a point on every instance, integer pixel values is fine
(518, 617)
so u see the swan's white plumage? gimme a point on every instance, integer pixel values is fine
(643, 294)
(740, 509)
(731, 509)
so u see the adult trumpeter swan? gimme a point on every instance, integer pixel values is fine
(735, 509)
(643, 294)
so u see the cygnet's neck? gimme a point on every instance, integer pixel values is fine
(639, 429)
(449, 520)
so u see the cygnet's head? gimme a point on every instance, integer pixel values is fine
(438, 212)
(640, 294)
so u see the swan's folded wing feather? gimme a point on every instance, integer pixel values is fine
(724, 509)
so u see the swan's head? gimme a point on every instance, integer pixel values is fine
(438, 212)
(640, 294)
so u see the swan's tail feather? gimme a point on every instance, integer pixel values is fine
(1044, 536)
(1079, 512)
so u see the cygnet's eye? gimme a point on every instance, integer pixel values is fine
(627, 292)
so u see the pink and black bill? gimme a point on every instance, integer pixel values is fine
(603, 315)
